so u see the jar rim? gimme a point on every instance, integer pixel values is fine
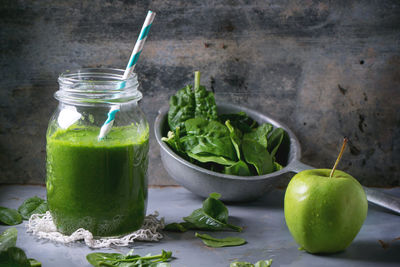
(97, 85)
(77, 75)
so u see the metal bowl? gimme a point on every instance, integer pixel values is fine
(233, 188)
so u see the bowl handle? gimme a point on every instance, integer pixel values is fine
(375, 196)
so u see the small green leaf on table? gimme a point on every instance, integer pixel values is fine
(220, 242)
(33, 205)
(178, 227)
(261, 263)
(34, 263)
(212, 216)
(99, 259)
(8, 238)
(10, 216)
(14, 257)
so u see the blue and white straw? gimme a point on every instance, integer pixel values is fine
(106, 128)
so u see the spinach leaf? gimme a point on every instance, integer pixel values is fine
(207, 137)
(205, 101)
(97, 259)
(15, 257)
(220, 242)
(181, 107)
(203, 221)
(178, 227)
(239, 168)
(116, 259)
(11, 255)
(262, 263)
(212, 216)
(205, 157)
(277, 166)
(10, 216)
(173, 140)
(236, 137)
(8, 239)
(33, 205)
(215, 208)
(275, 140)
(241, 264)
(260, 134)
(34, 263)
(257, 155)
(240, 121)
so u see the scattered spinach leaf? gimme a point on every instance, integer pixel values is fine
(14, 257)
(178, 227)
(203, 221)
(212, 216)
(11, 255)
(181, 107)
(239, 168)
(241, 264)
(10, 216)
(116, 259)
(33, 205)
(262, 263)
(34, 263)
(8, 238)
(220, 242)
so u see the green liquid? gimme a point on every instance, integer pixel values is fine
(98, 186)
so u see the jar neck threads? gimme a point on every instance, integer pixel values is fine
(102, 86)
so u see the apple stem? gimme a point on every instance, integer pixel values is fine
(339, 157)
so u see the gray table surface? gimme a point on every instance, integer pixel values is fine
(264, 229)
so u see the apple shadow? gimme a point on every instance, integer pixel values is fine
(271, 200)
(370, 251)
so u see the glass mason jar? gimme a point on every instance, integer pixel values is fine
(97, 184)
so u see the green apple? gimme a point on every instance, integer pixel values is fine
(324, 209)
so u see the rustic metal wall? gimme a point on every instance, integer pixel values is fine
(325, 68)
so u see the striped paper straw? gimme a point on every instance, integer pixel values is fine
(106, 128)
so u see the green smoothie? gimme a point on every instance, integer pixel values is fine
(98, 186)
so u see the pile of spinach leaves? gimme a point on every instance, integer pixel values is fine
(229, 143)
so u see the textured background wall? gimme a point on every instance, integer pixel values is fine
(325, 68)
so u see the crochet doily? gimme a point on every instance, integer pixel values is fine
(42, 226)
